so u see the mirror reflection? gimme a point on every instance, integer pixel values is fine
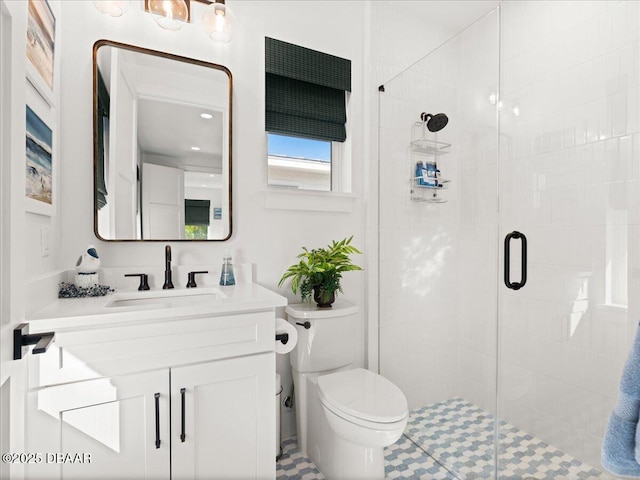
(162, 146)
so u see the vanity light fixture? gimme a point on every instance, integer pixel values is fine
(114, 8)
(169, 14)
(195, 149)
(218, 19)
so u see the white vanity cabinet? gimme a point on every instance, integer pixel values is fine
(108, 423)
(185, 398)
(227, 427)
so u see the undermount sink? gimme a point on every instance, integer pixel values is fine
(167, 298)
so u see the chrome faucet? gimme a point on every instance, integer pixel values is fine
(167, 268)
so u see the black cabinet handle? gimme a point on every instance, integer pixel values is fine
(157, 399)
(507, 260)
(182, 434)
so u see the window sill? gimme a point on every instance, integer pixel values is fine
(310, 201)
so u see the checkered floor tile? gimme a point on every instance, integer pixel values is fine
(460, 436)
(402, 460)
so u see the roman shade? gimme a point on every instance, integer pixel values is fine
(305, 92)
(196, 212)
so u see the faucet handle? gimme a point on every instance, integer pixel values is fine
(144, 280)
(191, 283)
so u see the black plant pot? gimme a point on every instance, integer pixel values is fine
(323, 300)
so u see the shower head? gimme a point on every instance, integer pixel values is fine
(436, 122)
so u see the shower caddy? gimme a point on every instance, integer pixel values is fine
(426, 187)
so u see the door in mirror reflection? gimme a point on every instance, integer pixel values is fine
(162, 146)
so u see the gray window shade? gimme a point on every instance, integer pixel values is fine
(196, 212)
(305, 91)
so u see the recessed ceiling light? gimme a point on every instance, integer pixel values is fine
(207, 116)
(195, 149)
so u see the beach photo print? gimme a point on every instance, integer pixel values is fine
(39, 164)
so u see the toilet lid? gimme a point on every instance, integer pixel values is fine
(363, 394)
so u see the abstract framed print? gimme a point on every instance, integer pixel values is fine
(41, 42)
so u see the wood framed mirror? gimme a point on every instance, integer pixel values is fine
(162, 146)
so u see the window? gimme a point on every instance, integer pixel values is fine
(305, 115)
(296, 162)
(196, 219)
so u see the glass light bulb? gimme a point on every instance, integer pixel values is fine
(169, 14)
(218, 21)
(114, 8)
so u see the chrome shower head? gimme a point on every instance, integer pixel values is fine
(436, 122)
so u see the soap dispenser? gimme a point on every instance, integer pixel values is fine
(227, 277)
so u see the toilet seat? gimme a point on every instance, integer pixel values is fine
(363, 398)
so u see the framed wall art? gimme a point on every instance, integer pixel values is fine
(41, 45)
(40, 159)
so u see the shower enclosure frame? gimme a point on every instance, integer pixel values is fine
(554, 312)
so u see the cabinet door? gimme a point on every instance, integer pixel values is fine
(106, 426)
(229, 421)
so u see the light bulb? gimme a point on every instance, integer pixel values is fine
(169, 14)
(218, 21)
(114, 8)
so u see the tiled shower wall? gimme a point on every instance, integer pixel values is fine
(418, 242)
(569, 179)
(432, 267)
(397, 38)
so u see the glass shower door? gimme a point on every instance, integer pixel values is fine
(568, 181)
(438, 237)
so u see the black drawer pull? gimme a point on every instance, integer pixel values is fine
(182, 434)
(157, 400)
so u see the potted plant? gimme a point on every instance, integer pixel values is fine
(319, 271)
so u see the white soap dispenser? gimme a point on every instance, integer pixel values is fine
(226, 276)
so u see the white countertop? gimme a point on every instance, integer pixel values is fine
(93, 312)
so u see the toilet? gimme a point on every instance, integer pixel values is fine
(345, 416)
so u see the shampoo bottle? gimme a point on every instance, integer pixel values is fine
(419, 177)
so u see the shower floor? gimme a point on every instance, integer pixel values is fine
(457, 437)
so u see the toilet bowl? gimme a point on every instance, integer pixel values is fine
(362, 407)
(345, 416)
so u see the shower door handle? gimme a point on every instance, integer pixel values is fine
(507, 260)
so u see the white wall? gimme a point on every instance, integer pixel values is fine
(268, 238)
(21, 263)
(37, 265)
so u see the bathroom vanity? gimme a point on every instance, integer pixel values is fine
(155, 385)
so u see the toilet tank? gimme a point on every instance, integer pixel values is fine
(330, 340)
